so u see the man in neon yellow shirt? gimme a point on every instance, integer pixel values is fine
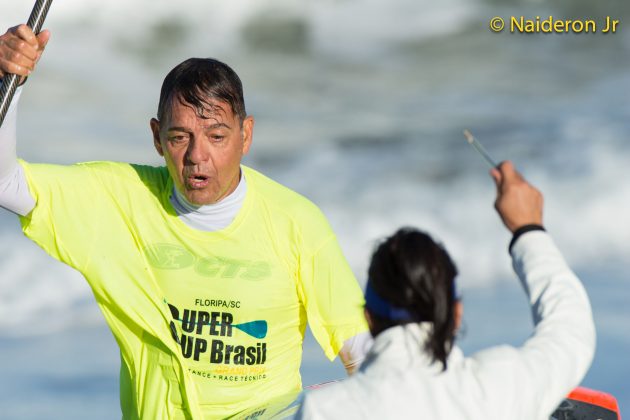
(205, 270)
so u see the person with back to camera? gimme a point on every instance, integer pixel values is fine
(413, 370)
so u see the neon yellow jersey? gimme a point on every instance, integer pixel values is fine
(209, 323)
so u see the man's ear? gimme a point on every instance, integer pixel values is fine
(459, 314)
(155, 129)
(248, 133)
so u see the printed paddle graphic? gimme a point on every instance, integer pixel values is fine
(219, 323)
(256, 329)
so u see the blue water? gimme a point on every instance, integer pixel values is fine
(359, 106)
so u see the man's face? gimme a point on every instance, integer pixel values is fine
(203, 155)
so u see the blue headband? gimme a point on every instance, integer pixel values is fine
(380, 307)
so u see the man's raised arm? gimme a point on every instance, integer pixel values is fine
(20, 49)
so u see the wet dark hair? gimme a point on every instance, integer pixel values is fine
(411, 271)
(197, 82)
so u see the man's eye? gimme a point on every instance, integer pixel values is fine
(217, 138)
(177, 139)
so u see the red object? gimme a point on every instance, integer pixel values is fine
(598, 398)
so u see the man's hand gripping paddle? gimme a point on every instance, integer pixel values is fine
(10, 81)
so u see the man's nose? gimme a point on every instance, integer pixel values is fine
(197, 151)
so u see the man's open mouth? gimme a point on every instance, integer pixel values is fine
(197, 180)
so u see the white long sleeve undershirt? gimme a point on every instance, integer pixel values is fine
(8, 136)
(14, 193)
(211, 217)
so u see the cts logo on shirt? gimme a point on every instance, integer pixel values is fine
(175, 257)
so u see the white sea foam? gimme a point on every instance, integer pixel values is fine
(584, 212)
(358, 28)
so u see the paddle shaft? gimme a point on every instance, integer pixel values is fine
(10, 81)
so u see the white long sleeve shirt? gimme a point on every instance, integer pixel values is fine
(14, 193)
(398, 381)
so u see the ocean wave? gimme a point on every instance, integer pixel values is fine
(348, 27)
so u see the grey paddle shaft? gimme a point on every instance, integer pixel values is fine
(10, 81)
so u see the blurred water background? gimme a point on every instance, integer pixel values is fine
(360, 106)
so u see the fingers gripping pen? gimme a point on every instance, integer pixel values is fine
(10, 81)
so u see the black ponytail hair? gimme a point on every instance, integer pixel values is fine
(411, 271)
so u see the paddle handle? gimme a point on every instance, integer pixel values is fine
(10, 81)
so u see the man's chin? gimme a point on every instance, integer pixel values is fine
(199, 198)
(196, 196)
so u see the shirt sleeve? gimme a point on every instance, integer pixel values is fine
(8, 137)
(14, 194)
(555, 359)
(332, 297)
(354, 350)
(65, 219)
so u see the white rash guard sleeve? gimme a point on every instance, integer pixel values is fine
(14, 193)
(354, 350)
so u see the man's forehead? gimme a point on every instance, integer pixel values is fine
(210, 125)
(213, 110)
